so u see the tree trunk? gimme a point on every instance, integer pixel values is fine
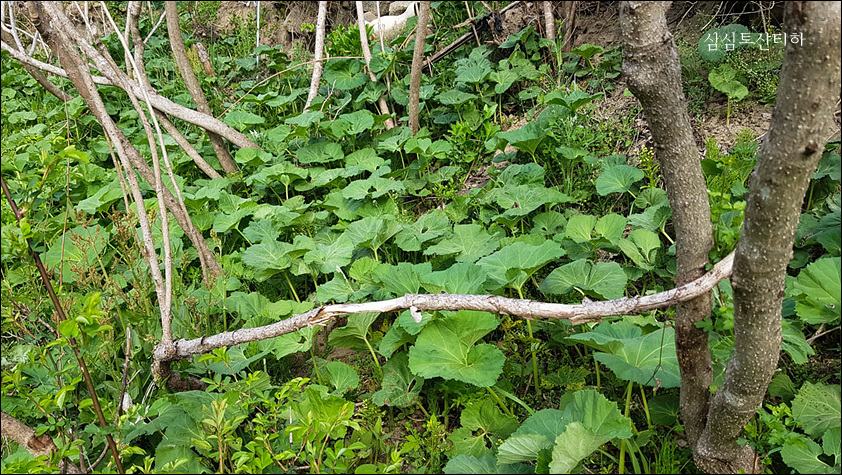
(800, 125)
(320, 48)
(549, 20)
(654, 74)
(417, 61)
(568, 17)
(193, 86)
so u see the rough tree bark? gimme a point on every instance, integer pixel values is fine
(319, 52)
(800, 125)
(651, 65)
(193, 86)
(787, 158)
(417, 61)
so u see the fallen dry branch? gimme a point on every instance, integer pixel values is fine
(25, 436)
(530, 309)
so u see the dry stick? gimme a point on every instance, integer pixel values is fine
(164, 304)
(320, 46)
(125, 380)
(381, 101)
(416, 71)
(187, 146)
(81, 78)
(160, 20)
(62, 317)
(473, 25)
(158, 101)
(39, 76)
(193, 85)
(529, 309)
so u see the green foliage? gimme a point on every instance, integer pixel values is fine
(335, 208)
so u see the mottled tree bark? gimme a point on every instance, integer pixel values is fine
(417, 61)
(193, 86)
(549, 20)
(789, 155)
(653, 71)
(786, 160)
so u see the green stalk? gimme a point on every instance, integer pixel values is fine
(596, 365)
(500, 402)
(621, 465)
(534, 357)
(645, 406)
(373, 355)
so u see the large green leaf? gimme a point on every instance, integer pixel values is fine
(617, 179)
(641, 247)
(603, 280)
(454, 97)
(372, 232)
(594, 421)
(526, 138)
(520, 200)
(364, 159)
(802, 454)
(429, 226)
(330, 257)
(446, 348)
(818, 290)
(354, 335)
(344, 74)
(469, 242)
(341, 376)
(241, 120)
(267, 258)
(502, 266)
(320, 152)
(645, 359)
(816, 408)
(360, 121)
(460, 278)
(402, 279)
(400, 387)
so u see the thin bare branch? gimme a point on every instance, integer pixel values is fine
(576, 314)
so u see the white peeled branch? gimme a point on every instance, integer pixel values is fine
(390, 26)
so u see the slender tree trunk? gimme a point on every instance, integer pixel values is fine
(800, 125)
(320, 48)
(54, 29)
(549, 20)
(193, 86)
(568, 17)
(417, 61)
(652, 67)
(381, 101)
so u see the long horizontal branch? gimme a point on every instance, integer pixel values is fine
(530, 309)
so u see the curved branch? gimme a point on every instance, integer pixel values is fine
(576, 314)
